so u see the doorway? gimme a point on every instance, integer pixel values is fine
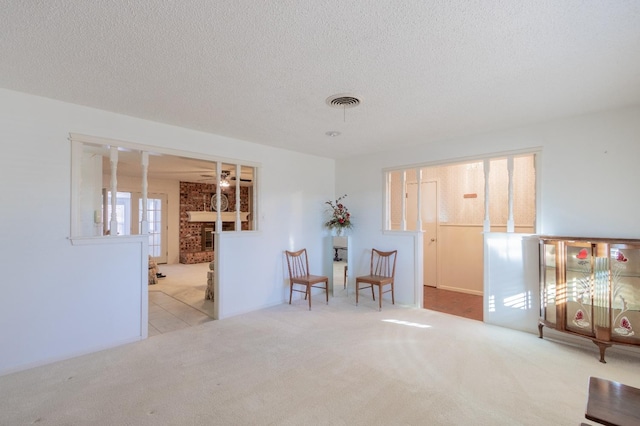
(457, 204)
(429, 225)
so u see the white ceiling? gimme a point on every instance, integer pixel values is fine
(261, 71)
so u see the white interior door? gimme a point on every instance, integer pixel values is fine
(128, 206)
(157, 220)
(429, 213)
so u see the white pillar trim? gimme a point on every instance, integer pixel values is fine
(144, 223)
(486, 169)
(510, 222)
(113, 158)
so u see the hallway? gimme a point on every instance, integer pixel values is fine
(453, 302)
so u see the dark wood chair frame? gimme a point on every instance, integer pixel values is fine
(298, 264)
(382, 272)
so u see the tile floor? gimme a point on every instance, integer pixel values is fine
(167, 314)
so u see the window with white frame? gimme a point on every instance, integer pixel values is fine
(209, 190)
(498, 194)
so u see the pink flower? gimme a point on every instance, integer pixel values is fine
(624, 322)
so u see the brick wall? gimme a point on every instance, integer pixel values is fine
(197, 197)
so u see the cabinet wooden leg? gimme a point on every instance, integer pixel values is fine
(540, 325)
(602, 347)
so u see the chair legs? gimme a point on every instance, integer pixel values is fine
(326, 290)
(373, 295)
(358, 291)
(307, 292)
(345, 276)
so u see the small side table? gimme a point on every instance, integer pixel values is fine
(612, 403)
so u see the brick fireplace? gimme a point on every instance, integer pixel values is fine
(196, 238)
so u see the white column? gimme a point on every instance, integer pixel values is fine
(487, 222)
(76, 179)
(510, 223)
(218, 190)
(113, 158)
(238, 221)
(144, 223)
(419, 199)
(403, 218)
(387, 205)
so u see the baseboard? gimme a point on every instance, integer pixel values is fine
(461, 290)
(46, 361)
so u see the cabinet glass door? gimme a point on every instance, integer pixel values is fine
(625, 293)
(548, 285)
(578, 290)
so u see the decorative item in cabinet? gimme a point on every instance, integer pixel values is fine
(590, 287)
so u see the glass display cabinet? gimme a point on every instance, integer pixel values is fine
(590, 287)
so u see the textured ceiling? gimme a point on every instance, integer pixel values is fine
(261, 71)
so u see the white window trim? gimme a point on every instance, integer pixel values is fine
(78, 141)
(386, 176)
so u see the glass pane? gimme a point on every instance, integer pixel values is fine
(123, 213)
(625, 295)
(90, 212)
(498, 195)
(247, 200)
(411, 200)
(229, 189)
(462, 194)
(578, 289)
(524, 193)
(548, 287)
(395, 200)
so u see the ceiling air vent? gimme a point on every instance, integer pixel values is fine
(342, 101)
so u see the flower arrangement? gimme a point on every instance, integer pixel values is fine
(340, 217)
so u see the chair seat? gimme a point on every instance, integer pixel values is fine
(309, 279)
(374, 279)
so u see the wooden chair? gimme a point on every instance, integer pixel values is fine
(345, 275)
(298, 265)
(381, 273)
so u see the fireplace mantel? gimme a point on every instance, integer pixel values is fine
(202, 216)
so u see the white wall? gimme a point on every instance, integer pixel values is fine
(588, 175)
(60, 300)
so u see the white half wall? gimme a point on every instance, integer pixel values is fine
(61, 300)
(587, 174)
(511, 284)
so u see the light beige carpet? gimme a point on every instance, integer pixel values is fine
(335, 365)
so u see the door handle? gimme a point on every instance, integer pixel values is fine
(433, 240)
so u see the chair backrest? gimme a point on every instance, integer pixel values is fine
(298, 263)
(383, 263)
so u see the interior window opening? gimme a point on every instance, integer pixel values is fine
(205, 190)
(452, 206)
